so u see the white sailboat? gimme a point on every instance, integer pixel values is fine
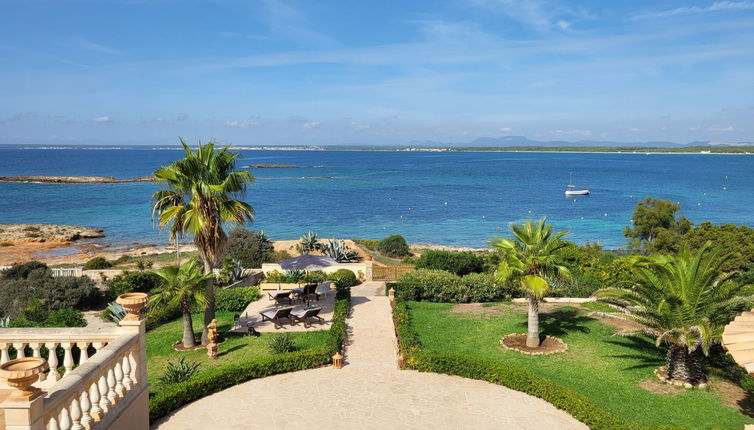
(573, 190)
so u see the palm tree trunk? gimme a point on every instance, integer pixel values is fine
(209, 311)
(188, 328)
(532, 337)
(684, 366)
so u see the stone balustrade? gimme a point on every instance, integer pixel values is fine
(106, 388)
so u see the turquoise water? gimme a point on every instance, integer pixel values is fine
(453, 198)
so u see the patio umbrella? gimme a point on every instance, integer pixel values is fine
(307, 262)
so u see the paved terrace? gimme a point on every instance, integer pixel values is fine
(369, 392)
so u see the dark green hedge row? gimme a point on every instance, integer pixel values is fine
(217, 379)
(468, 366)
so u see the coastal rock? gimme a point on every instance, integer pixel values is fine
(22, 233)
(74, 179)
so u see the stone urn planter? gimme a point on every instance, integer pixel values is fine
(20, 374)
(133, 303)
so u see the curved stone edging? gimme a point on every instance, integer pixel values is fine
(560, 341)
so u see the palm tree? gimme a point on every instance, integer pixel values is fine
(183, 286)
(682, 300)
(199, 198)
(532, 258)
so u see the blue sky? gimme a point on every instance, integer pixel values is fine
(388, 72)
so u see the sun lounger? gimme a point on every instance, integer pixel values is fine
(275, 315)
(305, 315)
(280, 297)
(323, 288)
(304, 292)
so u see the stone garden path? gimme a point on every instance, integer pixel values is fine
(369, 392)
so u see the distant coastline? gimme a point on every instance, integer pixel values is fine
(74, 179)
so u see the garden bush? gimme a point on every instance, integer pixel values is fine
(280, 343)
(370, 244)
(460, 263)
(216, 379)
(178, 370)
(128, 282)
(430, 285)
(393, 246)
(343, 278)
(22, 271)
(35, 314)
(97, 263)
(483, 287)
(251, 248)
(235, 299)
(65, 318)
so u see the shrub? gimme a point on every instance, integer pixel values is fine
(430, 285)
(482, 287)
(393, 246)
(251, 248)
(29, 284)
(160, 315)
(178, 370)
(370, 244)
(31, 228)
(280, 255)
(22, 271)
(460, 263)
(65, 318)
(343, 278)
(97, 263)
(3, 244)
(235, 299)
(281, 343)
(217, 379)
(129, 282)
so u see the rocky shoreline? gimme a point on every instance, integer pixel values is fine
(25, 233)
(74, 179)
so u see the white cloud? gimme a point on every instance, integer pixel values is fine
(563, 25)
(717, 6)
(728, 128)
(101, 119)
(505, 129)
(634, 129)
(311, 125)
(92, 46)
(241, 124)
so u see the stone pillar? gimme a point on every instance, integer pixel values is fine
(24, 415)
(368, 275)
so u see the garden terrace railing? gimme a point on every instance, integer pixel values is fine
(97, 378)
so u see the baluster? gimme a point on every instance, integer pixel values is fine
(84, 348)
(97, 346)
(68, 358)
(53, 424)
(134, 372)
(86, 406)
(127, 382)
(35, 349)
(4, 352)
(96, 410)
(65, 419)
(76, 415)
(20, 346)
(112, 395)
(104, 403)
(52, 359)
(119, 388)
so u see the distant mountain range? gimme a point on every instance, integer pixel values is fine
(508, 141)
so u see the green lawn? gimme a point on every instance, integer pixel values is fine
(605, 368)
(235, 349)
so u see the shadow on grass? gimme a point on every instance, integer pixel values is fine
(647, 354)
(560, 322)
(229, 350)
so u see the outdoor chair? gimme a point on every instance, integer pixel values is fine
(304, 292)
(275, 315)
(280, 297)
(305, 315)
(323, 288)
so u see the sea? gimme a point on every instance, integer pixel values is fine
(449, 198)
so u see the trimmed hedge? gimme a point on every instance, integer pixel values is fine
(343, 278)
(468, 366)
(460, 263)
(425, 285)
(235, 299)
(217, 379)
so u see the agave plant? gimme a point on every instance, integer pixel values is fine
(116, 311)
(4, 322)
(294, 276)
(338, 251)
(309, 243)
(178, 370)
(232, 272)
